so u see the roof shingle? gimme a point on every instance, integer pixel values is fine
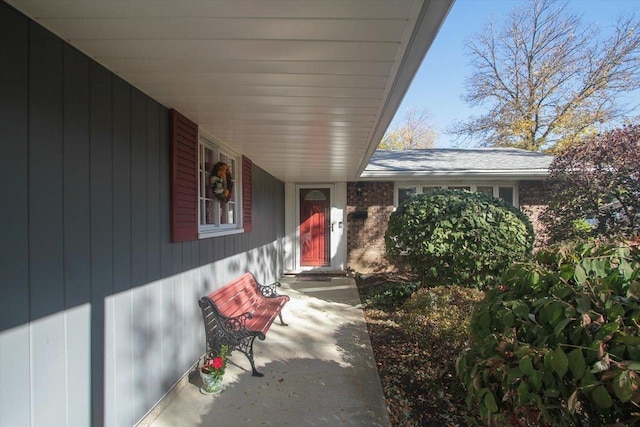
(455, 161)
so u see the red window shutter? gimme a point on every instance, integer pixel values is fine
(246, 193)
(184, 178)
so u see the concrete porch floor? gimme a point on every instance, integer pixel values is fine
(318, 371)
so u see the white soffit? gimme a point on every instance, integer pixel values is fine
(304, 88)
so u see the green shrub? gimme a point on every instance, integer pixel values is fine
(558, 342)
(458, 238)
(390, 296)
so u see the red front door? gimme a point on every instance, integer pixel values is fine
(315, 223)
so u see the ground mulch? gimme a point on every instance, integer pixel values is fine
(416, 364)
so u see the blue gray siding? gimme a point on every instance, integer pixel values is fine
(98, 313)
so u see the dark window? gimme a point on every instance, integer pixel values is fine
(404, 193)
(506, 193)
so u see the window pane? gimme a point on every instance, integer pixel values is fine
(429, 189)
(404, 193)
(460, 188)
(208, 212)
(506, 193)
(214, 213)
(231, 213)
(485, 190)
(232, 169)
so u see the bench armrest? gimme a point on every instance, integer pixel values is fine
(236, 324)
(269, 291)
(235, 327)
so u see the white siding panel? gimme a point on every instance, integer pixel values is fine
(110, 371)
(139, 65)
(15, 407)
(196, 345)
(173, 94)
(375, 9)
(220, 28)
(155, 372)
(240, 78)
(170, 331)
(188, 316)
(124, 383)
(180, 320)
(254, 50)
(140, 340)
(78, 355)
(48, 371)
(339, 219)
(289, 244)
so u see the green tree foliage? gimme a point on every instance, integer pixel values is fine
(415, 131)
(547, 78)
(599, 180)
(558, 343)
(457, 237)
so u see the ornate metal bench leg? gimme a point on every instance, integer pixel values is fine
(253, 368)
(246, 347)
(282, 321)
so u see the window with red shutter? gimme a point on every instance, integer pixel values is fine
(197, 208)
(184, 184)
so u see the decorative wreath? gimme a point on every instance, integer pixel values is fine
(221, 182)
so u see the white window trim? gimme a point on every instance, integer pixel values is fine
(445, 184)
(211, 230)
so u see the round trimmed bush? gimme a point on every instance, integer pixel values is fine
(558, 342)
(458, 237)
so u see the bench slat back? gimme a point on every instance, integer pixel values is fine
(237, 297)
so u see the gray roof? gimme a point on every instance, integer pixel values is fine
(460, 163)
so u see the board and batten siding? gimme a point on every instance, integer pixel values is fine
(98, 312)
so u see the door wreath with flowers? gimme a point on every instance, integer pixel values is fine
(221, 182)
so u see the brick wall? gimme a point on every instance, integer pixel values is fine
(532, 197)
(365, 236)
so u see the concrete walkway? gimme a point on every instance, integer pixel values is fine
(318, 371)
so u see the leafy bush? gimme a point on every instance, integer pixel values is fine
(391, 296)
(457, 237)
(558, 342)
(598, 180)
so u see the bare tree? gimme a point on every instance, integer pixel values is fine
(548, 79)
(414, 131)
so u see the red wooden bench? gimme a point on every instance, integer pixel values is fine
(238, 313)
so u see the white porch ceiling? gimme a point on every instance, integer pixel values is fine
(304, 88)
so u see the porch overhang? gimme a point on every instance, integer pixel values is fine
(304, 89)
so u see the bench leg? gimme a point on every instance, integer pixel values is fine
(282, 321)
(246, 347)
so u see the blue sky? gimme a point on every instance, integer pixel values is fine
(439, 83)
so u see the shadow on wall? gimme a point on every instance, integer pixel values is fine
(263, 262)
(167, 329)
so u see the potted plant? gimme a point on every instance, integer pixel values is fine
(212, 371)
